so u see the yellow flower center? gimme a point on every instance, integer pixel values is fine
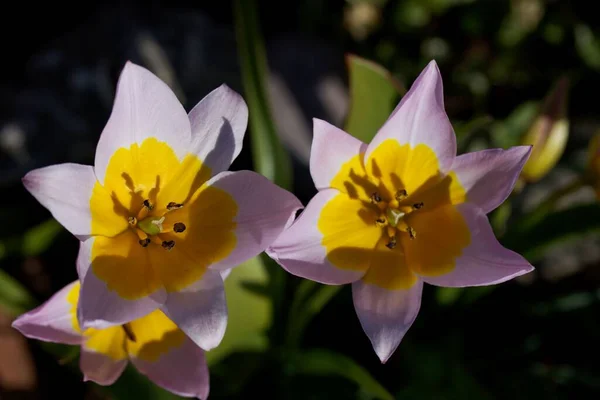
(394, 217)
(156, 224)
(146, 338)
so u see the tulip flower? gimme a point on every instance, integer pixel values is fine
(158, 215)
(401, 211)
(152, 343)
(548, 134)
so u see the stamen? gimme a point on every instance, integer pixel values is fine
(132, 221)
(411, 232)
(144, 242)
(174, 206)
(148, 205)
(179, 227)
(392, 243)
(380, 221)
(375, 198)
(129, 332)
(168, 244)
(418, 206)
(401, 194)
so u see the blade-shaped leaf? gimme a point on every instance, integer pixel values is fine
(373, 96)
(270, 158)
(328, 363)
(249, 312)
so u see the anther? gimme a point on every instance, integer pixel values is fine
(375, 198)
(144, 242)
(380, 221)
(129, 332)
(168, 244)
(401, 194)
(174, 206)
(132, 221)
(179, 227)
(418, 206)
(148, 205)
(411, 232)
(392, 243)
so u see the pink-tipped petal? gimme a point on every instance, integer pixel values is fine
(200, 310)
(144, 107)
(218, 125)
(420, 118)
(182, 370)
(65, 190)
(264, 210)
(300, 252)
(331, 147)
(386, 315)
(53, 321)
(97, 367)
(488, 176)
(99, 307)
(484, 261)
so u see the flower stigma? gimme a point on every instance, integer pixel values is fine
(149, 227)
(392, 216)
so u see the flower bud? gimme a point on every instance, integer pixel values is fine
(593, 165)
(548, 134)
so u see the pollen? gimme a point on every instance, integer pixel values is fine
(149, 227)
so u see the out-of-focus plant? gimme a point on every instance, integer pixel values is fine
(593, 164)
(362, 17)
(548, 134)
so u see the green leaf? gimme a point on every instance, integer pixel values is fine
(309, 299)
(323, 362)
(249, 313)
(38, 239)
(270, 158)
(373, 96)
(509, 132)
(532, 239)
(13, 296)
(588, 46)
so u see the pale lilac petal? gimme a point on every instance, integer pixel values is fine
(218, 125)
(488, 176)
(182, 370)
(200, 310)
(65, 190)
(97, 367)
(420, 118)
(386, 315)
(300, 252)
(484, 261)
(100, 307)
(264, 210)
(84, 257)
(331, 148)
(145, 107)
(52, 321)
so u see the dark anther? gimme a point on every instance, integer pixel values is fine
(179, 227)
(411, 233)
(375, 197)
(380, 221)
(148, 205)
(417, 206)
(132, 220)
(401, 194)
(168, 244)
(174, 206)
(128, 332)
(144, 242)
(392, 243)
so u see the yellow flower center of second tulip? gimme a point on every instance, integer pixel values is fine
(394, 216)
(155, 223)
